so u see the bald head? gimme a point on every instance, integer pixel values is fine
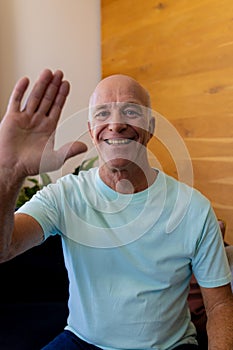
(119, 88)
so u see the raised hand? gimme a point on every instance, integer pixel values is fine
(27, 134)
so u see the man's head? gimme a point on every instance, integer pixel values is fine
(120, 120)
(117, 88)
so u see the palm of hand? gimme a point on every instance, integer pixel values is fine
(27, 136)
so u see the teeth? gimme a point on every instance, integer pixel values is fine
(118, 141)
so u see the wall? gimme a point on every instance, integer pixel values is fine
(56, 34)
(182, 52)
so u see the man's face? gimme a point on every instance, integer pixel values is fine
(120, 121)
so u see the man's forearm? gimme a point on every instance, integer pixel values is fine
(10, 185)
(220, 327)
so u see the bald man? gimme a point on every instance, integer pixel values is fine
(129, 275)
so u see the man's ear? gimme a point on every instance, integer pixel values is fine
(152, 126)
(89, 129)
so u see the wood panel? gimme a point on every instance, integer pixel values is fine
(182, 52)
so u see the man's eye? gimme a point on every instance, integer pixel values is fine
(132, 113)
(102, 115)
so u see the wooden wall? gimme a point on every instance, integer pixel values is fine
(182, 52)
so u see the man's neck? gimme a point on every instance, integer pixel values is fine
(131, 179)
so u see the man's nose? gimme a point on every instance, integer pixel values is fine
(117, 122)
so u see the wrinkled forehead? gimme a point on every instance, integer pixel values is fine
(119, 89)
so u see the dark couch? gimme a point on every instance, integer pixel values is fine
(33, 297)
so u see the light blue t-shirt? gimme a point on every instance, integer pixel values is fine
(130, 257)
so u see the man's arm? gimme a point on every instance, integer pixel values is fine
(219, 308)
(21, 233)
(27, 148)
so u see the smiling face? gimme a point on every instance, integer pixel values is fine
(120, 123)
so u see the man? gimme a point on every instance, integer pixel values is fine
(129, 274)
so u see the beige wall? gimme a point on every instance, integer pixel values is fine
(182, 52)
(58, 34)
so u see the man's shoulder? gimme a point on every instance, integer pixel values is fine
(180, 184)
(184, 190)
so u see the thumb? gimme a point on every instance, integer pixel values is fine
(53, 161)
(71, 149)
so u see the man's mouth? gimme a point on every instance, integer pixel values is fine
(118, 141)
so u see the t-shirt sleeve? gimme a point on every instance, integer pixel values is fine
(44, 209)
(229, 252)
(210, 265)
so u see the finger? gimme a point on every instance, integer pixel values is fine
(59, 101)
(38, 91)
(50, 93)
(17, 95)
